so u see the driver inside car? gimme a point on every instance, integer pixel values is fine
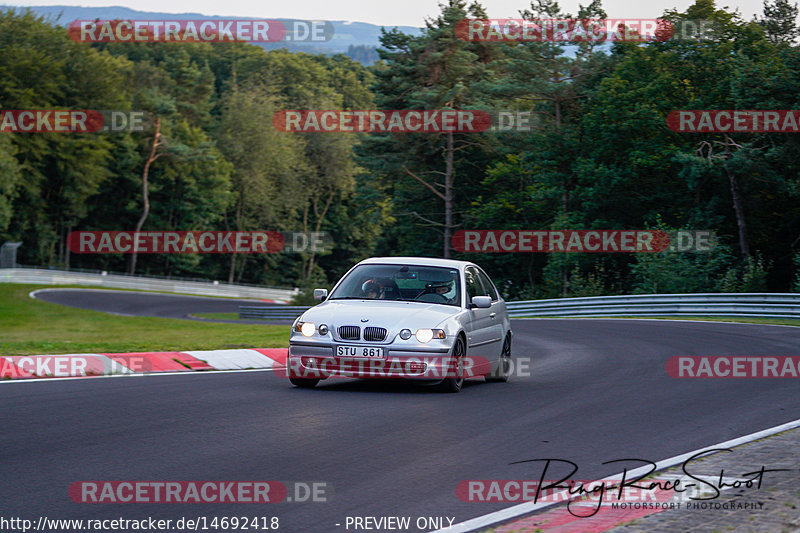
(444, 289)
(371, 289)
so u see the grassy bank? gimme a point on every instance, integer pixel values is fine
(30, 326)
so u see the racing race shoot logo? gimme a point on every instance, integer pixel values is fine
(636, 488)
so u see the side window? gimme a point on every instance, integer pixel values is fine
(488, 284)
(474, 287)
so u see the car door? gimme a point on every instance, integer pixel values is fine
(479, 337)
(497, 314)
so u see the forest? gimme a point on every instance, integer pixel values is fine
(599, 154)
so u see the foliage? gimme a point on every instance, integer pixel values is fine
(599, 154)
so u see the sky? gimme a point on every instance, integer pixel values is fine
(382, 12)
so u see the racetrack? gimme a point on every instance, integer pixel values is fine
(598, 391)
(132, 303)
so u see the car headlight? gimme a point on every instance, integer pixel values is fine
(425, 335)
(405, 334)
(323, 329)
(307, 329)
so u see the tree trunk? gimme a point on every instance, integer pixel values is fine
(238, 226)
(232, 270)
(737, 202)
(448, 195)
(318, 226)
(66, 251)
(145, 194)
(737, 207)
(564, 199)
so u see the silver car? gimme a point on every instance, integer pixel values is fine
(435, 321)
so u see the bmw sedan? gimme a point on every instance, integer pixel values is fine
(434, 321)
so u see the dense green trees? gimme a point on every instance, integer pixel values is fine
(208, 156)
(599, 154)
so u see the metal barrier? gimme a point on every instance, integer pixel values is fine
(774, 305)
(43, 276)
(275, 312)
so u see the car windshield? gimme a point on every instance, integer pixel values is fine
(401, 283)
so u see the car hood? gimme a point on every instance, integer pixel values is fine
(391, 315)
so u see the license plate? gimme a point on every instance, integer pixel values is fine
(361, 352)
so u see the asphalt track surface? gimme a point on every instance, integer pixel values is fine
(598, 391)
(131, 303)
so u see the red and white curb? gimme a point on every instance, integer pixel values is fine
(111, 364)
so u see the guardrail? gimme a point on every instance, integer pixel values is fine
(773, 305)
(275, 312)
(44, 276)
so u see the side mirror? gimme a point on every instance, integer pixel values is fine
(481, 302)
(320, 294)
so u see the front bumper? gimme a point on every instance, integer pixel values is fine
(316, 360)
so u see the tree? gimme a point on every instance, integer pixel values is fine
(43, 69)
(10, 178)
(267, 165)
(154, 154)
(780, 21)
(437, 70)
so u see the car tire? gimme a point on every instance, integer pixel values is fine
(454, 384)
(304, 383)
(503, 371)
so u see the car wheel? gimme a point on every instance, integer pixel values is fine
(503, 371)
(304, 383)
(454, 384)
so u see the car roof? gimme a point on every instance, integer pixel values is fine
(418, 261)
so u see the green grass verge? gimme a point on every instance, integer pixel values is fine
(30, 326)
(741, 320)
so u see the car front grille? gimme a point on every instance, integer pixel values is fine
(350, 333)
(374, 334)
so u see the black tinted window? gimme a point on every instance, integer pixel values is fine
(474, 286)
(487, 283)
